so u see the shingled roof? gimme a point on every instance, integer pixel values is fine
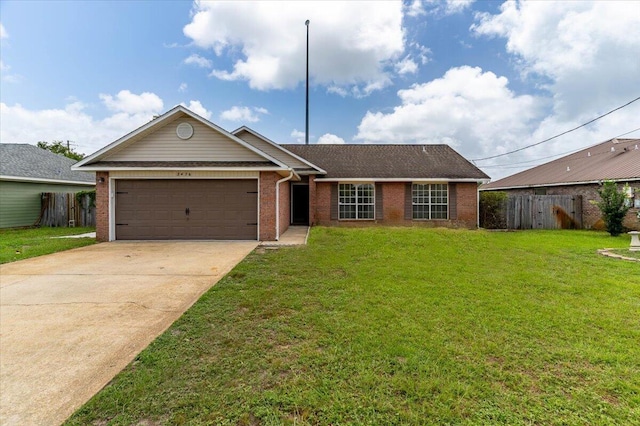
(32, 163)
(389, 161)
(616, 159)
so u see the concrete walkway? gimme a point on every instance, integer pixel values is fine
(294, 236)
(71, 321)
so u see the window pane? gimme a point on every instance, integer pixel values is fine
(420, 212)
(356, 201)
(365, 212)
(347, 212)
(438, 212)
(430, 201)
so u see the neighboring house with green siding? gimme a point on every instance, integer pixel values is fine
(27, 171)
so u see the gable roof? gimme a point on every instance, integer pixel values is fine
(92, 162)
(24, 162)
(615, 159)
(267, 145)
(398, 162)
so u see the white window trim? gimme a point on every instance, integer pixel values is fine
(430, 185)
(357, 184)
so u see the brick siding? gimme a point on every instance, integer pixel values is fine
(393, 205)
(312, 201)
(267, 205)
(102, 207)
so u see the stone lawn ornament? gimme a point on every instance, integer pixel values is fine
(635, 241)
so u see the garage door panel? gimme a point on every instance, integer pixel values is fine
(157, 209)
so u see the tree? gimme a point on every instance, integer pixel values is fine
(613, 207)
(62, 148)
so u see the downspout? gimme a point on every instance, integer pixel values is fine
(284, 179)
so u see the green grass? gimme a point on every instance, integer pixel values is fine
(399, 326)
(18, 244)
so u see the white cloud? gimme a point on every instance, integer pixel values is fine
(4, 67)
(351, 43)
(341, 91)
(415, 9)
(197, 107)
(329, 138)
(437, 7)
(183, 87)
(3, 32)
(298, 135)
(237, 113)
(466, 108)
(130, 103)
(199, 61)
(22, 125)
(406, 66)
(73, 122)
(584, 49)
(457, 6)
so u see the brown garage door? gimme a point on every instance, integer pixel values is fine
(186, 209)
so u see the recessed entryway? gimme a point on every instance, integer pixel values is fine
(300, 204)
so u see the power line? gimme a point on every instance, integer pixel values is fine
(560, 134)
(509, 165)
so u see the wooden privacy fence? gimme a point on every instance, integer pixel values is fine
(67, 209)
(544, 212)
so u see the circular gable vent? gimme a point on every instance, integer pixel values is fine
(184, 130)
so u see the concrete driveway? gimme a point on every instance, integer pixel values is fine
(70, 321)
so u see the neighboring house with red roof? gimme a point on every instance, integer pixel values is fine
(581, 173)
(182, 177)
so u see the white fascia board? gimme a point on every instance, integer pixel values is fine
(286, 151)
(164, 117)
(43, 180)
(545, 185)
(191, 169)
(400, 180)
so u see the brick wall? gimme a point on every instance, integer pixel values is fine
(591, 215)
(102, 206)
(267, 205)
(393, 205)
(393, 200)
(467, 199)
(312, 200)
(285, 205)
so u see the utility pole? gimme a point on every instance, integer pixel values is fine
(306, 133)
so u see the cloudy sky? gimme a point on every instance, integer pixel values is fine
(485, 77)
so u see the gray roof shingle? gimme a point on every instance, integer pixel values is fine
(29, 161)
(389, 161)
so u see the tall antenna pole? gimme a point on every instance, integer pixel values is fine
(306, 133)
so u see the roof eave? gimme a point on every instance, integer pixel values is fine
(540, 185)
(221, 169)
(401, 179)
(45, 180)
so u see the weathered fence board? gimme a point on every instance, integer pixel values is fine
(65, 209)
(544, 212)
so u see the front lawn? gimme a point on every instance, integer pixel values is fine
(399, 326)
(17, 244)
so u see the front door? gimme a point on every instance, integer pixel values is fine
(299, 204)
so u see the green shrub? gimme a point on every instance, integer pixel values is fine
(613, 207)
(492, 209)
